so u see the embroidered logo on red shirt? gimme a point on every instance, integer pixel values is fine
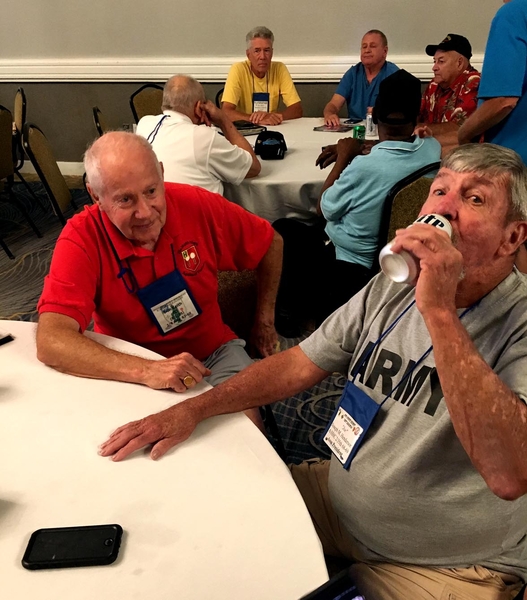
(190, 255)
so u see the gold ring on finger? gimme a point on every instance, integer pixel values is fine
(188, 381)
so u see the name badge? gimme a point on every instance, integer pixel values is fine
(169, 302)
(261, 101)
(174, 311)
(350, 423)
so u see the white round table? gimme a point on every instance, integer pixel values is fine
(218, 517)
(288, 187)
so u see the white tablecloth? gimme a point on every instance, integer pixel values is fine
(218, 517)
(288, 187)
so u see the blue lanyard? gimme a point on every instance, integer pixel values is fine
(154, 132)
(132, 286)
(419, 361)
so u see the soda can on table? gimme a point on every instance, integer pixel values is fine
(359, 132)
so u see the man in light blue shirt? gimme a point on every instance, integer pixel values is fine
(360, 85)
(355, 190)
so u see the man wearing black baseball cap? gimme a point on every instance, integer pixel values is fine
(451, 96)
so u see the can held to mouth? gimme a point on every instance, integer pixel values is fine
(403, 267)
(359, 132)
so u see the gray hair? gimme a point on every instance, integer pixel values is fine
(503, 164)
(112, 143)
(379, 33)
(181, 93)
(259, 32)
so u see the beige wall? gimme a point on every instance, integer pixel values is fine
(71, 56)
(102, 28)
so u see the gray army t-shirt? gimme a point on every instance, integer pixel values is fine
(412, 494)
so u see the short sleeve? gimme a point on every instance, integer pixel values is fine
(233, 89)
(287, 87)
(70, 287)
(505, 59)
(345, 87)
(226, 161)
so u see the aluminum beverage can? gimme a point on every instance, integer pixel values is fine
(359, 132)
(403, 267)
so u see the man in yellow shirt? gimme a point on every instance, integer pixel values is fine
(254, 87)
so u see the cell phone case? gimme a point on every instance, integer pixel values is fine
(65, 547)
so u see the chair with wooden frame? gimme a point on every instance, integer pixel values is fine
(7, 168)
(41, 155)
(146, 100)
(19, 118)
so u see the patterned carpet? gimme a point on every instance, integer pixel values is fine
(301, 419)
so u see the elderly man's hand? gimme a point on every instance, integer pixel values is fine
(179, 372)
(164, 430)
(266, 118)
(441, 265)
(264, 338)
(332, 121)
(210, 113)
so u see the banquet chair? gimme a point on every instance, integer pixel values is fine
(41, 155)
(237, 293)
(403, 203)
(19, 118)
(7, 167)
(146, 100)
(100, 122)
(219, 96)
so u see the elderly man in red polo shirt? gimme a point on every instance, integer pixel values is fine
(143, 263)
(451, 96)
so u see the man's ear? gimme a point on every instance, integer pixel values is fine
(93, 195)
(198, 111)
(516, 235)
(162, 170)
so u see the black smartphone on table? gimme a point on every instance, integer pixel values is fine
(339, 587)
(64, 547)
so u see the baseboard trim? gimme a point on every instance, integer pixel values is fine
(308, 69)
(66, 168)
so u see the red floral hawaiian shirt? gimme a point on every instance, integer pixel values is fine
(455, 103)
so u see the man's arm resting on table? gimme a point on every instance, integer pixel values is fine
(61, 346)
(277, 377)
(295, 111)
(332, 108)
(490, 113)
(263, 334)
(258, 118)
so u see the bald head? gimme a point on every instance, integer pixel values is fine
(110, 151)
(181, 94)
(125, 179)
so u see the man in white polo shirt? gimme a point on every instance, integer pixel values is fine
(190, 150)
